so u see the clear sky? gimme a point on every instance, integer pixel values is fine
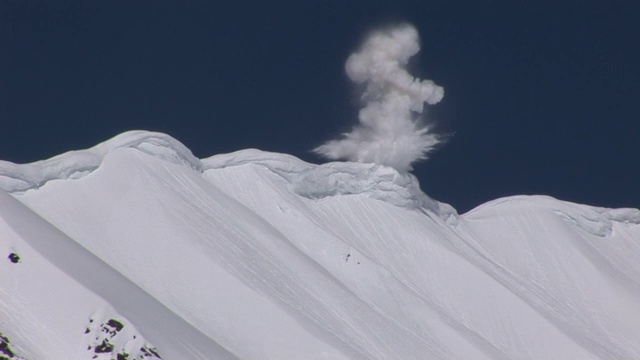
(541, 97)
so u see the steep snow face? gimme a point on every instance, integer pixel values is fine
(576, 265)
(58, 301)
(510, 314)
(269, 257)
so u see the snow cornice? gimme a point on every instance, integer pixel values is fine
(16, 178)
(307, 180)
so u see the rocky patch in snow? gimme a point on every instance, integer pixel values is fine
(14, 258)
(6, 352)
(108, 341)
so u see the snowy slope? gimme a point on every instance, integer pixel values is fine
(54, 299)
(258, 255)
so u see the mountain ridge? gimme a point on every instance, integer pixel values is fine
(314, 181)
(270, 257)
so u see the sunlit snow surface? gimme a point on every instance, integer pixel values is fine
(258, 255)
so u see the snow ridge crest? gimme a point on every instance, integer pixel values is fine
(337, 178)
(307, 180)
(16, 178)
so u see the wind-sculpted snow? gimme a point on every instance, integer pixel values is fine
(264, 256)
(337, 178)
(76, 164)
(308, 180)
(599, 221)
(379, 182)
(593, 220)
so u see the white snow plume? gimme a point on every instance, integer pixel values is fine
(390, 131)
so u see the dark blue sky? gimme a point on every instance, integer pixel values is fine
(541, 96)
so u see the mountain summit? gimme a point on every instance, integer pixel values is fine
(136, 249)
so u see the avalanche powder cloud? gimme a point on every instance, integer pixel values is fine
(389, 131)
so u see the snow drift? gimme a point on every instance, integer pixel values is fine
(139, 245)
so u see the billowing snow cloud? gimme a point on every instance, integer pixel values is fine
(390, 131)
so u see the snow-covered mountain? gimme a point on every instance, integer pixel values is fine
(135, 249)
